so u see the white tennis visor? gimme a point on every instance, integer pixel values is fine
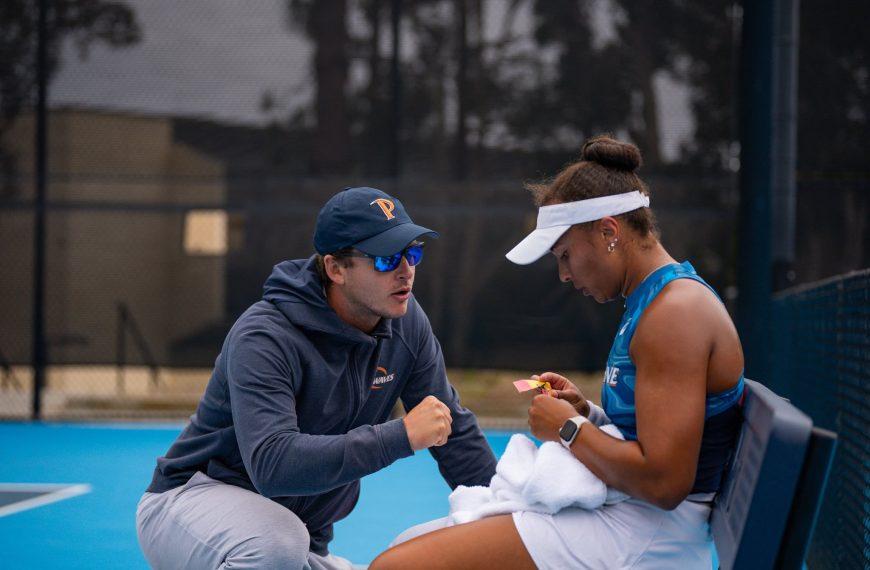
(555, 220)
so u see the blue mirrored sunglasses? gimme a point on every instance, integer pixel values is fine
(386, 263)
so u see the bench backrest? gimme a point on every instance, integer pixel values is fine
(765, 512)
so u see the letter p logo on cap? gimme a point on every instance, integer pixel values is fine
(386, 206)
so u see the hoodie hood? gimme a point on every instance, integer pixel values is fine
(295, 288)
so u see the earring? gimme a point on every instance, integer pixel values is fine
(612, 245)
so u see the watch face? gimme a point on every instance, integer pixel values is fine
(568, 430)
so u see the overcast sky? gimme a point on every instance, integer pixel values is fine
(216, 58)
(196, 57)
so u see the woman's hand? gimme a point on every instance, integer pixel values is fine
(564, 389)
(547, 415)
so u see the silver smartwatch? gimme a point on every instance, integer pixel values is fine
(570, 429)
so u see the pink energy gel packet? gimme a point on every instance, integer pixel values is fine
(526, 385)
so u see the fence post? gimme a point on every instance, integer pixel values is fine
(396, 89)
(784, 141)
(39, 350)
(754, 270)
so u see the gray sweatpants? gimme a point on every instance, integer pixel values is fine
(207, 524)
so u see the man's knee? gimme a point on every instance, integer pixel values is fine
(276, 549)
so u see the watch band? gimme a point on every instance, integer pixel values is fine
(578, 421)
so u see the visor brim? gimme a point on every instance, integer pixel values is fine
(536, 245)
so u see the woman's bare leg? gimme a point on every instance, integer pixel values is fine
(492, 542)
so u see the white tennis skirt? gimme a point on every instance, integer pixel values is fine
(631, 534)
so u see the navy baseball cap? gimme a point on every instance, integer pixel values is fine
(368, 219)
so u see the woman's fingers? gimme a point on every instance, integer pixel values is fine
(556, 381)
(573, 397)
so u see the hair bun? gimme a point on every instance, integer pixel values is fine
(611, 153)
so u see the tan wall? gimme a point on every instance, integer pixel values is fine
(99, 257)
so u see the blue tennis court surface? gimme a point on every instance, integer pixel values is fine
(113, 464)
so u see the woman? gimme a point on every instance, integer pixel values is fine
(673, 385)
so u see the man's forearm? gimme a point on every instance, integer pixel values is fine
(294, 463)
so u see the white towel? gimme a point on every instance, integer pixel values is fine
(559, 480)
(513, 466)
(544, 480)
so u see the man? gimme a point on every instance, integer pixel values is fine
(297, 408)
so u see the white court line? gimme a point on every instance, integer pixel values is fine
(161, 426)
(55, 492)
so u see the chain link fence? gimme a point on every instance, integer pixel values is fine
(821, 352)
(191, 145)
(140, 296)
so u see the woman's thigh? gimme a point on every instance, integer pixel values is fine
(488, 543)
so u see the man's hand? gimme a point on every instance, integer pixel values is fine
(428, 424)
(564, 389)
(547, 415)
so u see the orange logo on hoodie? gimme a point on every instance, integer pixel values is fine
(382, 379)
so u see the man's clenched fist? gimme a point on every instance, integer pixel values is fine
(428, 424)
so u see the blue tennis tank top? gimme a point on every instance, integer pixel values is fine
(722, 415)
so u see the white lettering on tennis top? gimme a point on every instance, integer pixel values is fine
(610, 375)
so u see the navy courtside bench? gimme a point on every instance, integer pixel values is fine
(765, 514)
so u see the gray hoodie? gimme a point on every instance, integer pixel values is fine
(298, 404)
